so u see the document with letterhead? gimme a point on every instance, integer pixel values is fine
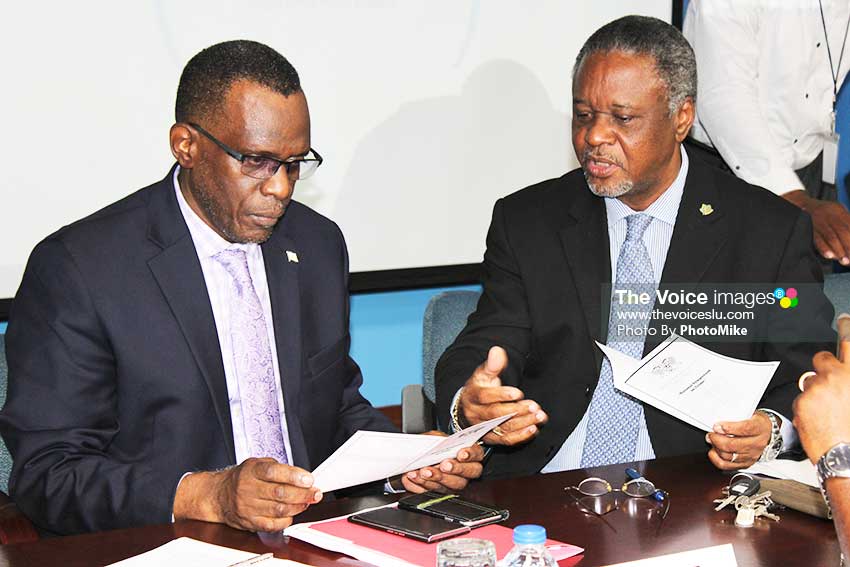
(691, 382)
(371, 455)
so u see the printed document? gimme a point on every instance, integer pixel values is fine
(371, 455)
(188, 552)
(691, 382)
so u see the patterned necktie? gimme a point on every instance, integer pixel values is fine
(252, 360)
(615, 418)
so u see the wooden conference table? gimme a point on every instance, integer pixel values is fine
(631, 532)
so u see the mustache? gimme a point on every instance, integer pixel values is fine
(589, 155)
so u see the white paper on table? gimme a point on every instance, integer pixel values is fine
(188, 552)
(715, 556)
(692, 383)
(801, 471)
(371, 455)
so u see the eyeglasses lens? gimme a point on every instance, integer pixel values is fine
(594, 487)
(260, 167)
(639, 488)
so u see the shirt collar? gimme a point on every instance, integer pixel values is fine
(207, 242)
(665, 208)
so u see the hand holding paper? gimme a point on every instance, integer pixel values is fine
(483, 398)
(450, 474)
(369, 455)
(692, 383)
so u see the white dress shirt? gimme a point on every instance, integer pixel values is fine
(765, 85)
(207, 244)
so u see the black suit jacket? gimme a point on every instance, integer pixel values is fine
(545, 269)
(116, 384)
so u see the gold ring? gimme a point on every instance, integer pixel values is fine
(498, 431)
(801, 381)
(734, 457)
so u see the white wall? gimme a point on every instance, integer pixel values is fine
(426, 111)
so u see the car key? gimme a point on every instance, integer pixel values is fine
(742, 484)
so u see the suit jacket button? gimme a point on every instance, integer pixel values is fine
(587, 391)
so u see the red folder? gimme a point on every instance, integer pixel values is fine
(425, 554)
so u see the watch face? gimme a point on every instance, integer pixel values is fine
(838, 459)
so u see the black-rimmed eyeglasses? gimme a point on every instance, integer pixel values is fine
(264, 167)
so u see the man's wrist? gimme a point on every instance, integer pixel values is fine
(196, 497)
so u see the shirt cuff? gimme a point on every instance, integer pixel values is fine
(388, 488)
(175, 491)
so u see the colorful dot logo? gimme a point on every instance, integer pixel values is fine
(787, 297)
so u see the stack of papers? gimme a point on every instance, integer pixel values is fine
(801, 471)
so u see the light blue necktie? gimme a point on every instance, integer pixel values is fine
(615, 418)
(252, 360)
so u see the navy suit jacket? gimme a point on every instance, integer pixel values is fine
(545, 300)
(116, 384)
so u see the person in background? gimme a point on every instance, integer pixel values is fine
(822, 420)
(183, 353)
(769, 76)
(639, 213)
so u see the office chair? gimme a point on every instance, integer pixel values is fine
(14, 526)
(445, 317)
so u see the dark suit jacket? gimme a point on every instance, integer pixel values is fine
(547, 260)
(116, 385)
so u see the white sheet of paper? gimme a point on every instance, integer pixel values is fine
(801, 471)
(370, 455)
(715, 556)
(692, 383)
(188, 552)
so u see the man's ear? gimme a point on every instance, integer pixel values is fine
(683, 119)
(184, 145)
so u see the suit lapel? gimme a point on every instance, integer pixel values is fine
(177, 270)
(697, 237)
(584, 237)
(285, 293)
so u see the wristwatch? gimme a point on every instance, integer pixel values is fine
(774, 446)
(835, 463)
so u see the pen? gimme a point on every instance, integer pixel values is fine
(843, 325)
(634, 475)
(252, 560)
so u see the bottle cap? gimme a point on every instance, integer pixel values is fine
(529, 534)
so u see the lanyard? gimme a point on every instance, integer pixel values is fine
(833, 71)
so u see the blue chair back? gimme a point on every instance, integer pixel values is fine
(5, 457)
(445, 317)
(837, 289)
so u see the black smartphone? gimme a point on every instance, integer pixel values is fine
(409, 524)
(452, 508)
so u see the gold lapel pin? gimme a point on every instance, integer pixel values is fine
(291, 256)
(706, 209)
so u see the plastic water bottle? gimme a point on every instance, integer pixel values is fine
(529, 548)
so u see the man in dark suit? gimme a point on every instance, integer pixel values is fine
(638, 212)
(183, 353)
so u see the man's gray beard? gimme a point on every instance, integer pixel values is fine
(613, 192)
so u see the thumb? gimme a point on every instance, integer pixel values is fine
(497, 361)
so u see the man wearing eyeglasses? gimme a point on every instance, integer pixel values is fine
(183, 353)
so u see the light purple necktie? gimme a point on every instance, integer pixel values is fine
(252, 360)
